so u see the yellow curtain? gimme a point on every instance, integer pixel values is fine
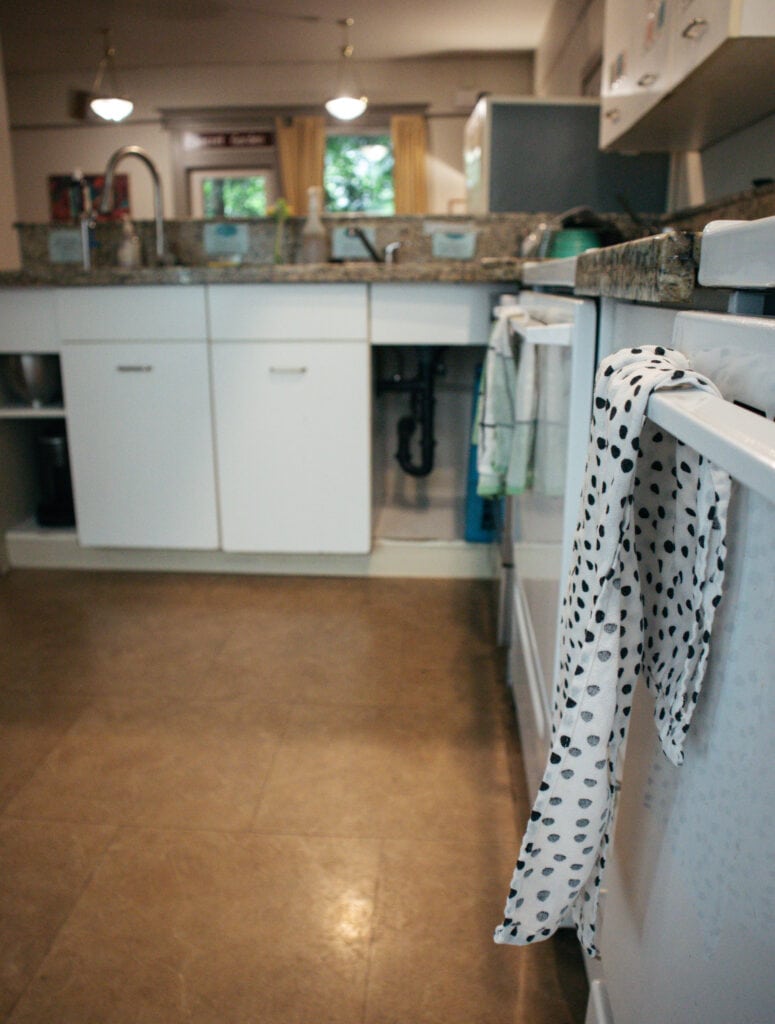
(301, 145)
(409, 135)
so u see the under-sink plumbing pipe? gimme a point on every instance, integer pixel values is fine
(422, 402)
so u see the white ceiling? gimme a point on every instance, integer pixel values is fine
(64, 35)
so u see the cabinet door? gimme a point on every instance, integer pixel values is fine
(140, 438)
(699, 27)
(292, 429)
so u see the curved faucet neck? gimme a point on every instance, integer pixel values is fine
(106, 203)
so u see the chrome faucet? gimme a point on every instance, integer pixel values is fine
(86, 219)
(106, 204)
(356, 232)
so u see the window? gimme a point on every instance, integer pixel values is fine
(231, 193)
(358, 174)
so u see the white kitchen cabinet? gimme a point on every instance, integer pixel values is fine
(432, 314)
(136, 381)
(121, 313)
(28, 320)
(141, 451)
(293, 437)
(681, 74)
(288, 311)
(291, 372)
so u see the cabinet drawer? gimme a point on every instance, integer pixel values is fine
(436, 314)
(128, 313)
(28, 320)
(288, 311)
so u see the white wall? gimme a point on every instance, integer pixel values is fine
(46, 140)
(9, 251)
(732, 164)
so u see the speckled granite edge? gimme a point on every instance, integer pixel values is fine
(441, 271)
(660, 269)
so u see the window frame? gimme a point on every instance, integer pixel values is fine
(201, 174)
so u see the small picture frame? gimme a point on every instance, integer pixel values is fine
(65, 200)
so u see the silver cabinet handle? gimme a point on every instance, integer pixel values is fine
(613, 114)
(134, 368)
(696, 28)
(648, 79)
(288, 369)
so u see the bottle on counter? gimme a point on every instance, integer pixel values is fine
(314, 240)
(129, 252)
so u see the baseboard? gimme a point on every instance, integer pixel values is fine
(29, 546)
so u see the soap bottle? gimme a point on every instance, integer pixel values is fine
(314, 240)
(129, 250)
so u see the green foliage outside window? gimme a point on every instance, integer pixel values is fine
(358, 174)
(234, 197)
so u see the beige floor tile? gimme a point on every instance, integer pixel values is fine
(254, 742)
(433, 958)
(43, 870)
(389, 772)
(208, 928)
(352, 648)
(162, 763)
(31, 726)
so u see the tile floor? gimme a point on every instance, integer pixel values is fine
(259, 800)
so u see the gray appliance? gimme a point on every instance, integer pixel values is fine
(541, 156)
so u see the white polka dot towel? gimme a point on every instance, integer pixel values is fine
(645, 581)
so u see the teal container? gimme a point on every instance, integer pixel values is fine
(572, 241)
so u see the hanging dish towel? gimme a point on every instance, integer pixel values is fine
(505, 411)
(550, 448)
(645, 580)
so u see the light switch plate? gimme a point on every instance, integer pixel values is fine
(453, 245)
(226, 239)
(65, 246)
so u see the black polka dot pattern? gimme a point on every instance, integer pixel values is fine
(645, 581)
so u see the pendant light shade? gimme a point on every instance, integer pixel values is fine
(107, 102)
(348, 103)
(112, 108)
(346, 108)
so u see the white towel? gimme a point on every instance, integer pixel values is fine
(645, 581)
(550, 449)
(506, 406)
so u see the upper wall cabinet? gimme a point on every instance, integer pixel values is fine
(682, 74)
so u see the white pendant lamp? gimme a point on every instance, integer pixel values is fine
(348, 102)
(107, 102)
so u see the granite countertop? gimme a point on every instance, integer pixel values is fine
(660, 269)
(440, 271)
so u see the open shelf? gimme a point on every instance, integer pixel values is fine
(10, 411)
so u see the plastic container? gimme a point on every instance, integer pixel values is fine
(129, 252)
(314, 240)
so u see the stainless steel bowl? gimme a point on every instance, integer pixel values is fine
(33, 378)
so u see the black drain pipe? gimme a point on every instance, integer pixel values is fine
(422, 402)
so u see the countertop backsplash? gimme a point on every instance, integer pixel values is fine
(496, 235)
